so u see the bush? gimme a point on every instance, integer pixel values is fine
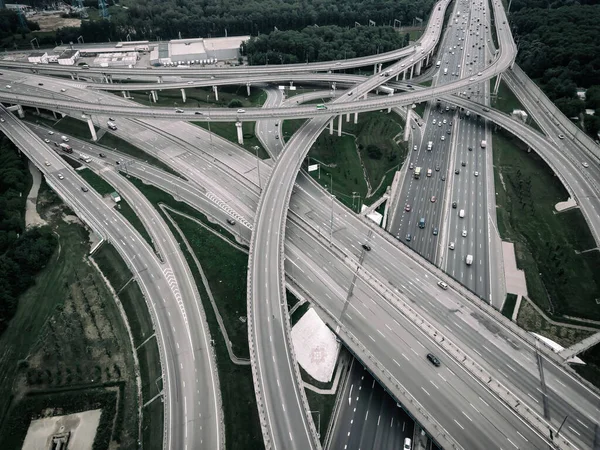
(235, 103)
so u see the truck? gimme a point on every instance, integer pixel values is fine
(321, 106)
(66, 148)
(469, 260)
(85, 158)
(483, 144)
(417, 172)
(429, 145)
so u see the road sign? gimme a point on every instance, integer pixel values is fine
(313, 167)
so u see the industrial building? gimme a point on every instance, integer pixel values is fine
(120, 59)
(188, 51)
(38, 58)
(68, 57)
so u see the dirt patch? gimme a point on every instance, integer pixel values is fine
(54, 22)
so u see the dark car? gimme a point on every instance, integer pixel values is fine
(84, 189)
(408, 237)
(366, 247)
(443, 178)
(231, 221)
(101, 155)
(433, 359)
(40, 84)
(454, 205)
(470, 149)
(435, 231)
(463, 163)
(457, 171)
(198, 113)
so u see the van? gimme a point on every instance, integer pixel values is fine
(429, 172)
(469, 260)
(64, 139)
(422, 222)
(407, 444)
(461, 213)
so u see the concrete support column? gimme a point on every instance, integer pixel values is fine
(54, 114)
(340, 125)
(92, 129)
(240, 134)
(248, 89)
(72, 77)
(390, 108)
(411, 71)
(375, 69)
(427, 59)
(20, 111)
(183, 97)
(154, 96)
(404, 75)
(63, 115)
(216, 93)
(124, 94)
(331, 127)
(37, 110)
(418, 68)
(105, 78)
(159, 79)
(497, 85)
(397, 76)
(380, 67)
(355, 117)
(347, 117)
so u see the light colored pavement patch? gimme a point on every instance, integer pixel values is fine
(32, 218)
(315, 346)
(515, 278)
(82, 427)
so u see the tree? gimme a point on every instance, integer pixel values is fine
(235, 103)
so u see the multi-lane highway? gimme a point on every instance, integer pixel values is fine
(358, 299)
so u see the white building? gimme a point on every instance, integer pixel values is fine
(185, 51)
(122, 59)
(68, 58)
(38, 58)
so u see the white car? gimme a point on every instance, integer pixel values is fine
(415, 148)
(240, 111)
(443, 138)
(451, 246)
(50, 132)
(63, 90)
(479, 74)
(47, 141)
(476, 174)
(444, 122)
(464, 233)
(1, 119)
(434, 121)
(561, 136)
(8, 86)
(60, 176)
(47, 164)
(584, 164)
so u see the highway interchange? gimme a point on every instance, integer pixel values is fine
(331, 293)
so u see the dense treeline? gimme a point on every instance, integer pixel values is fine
(165, 19)
(321, 44)
(560, 49)
(22, 253)
(10, 24)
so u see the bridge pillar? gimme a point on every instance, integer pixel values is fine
(380, 67)
(397, 76)
(375, 69)
(183, 97)
(418, 68)
(404, 75)
(216, 93)
(20, 111)
(427, 59)
(412, 68)
(124, 94)
(240, 134)
(390, 108)
(340, 125)
(92, 129)
(331, 126)
(248, 89)
(355, 117)
(159, 79)
(73, 77)
(54, 114)
(347, 117)
(37, 110)
(154, 96)
(497, 85)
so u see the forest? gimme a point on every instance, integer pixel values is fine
(321, 44)
(23, 253)
(559, 48)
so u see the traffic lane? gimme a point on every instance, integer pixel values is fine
(453, 400)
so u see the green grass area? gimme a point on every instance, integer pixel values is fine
(591, 371)
(420, 108)
(104, 188)
(509, 305)
(531, 320)
(507, 102)
(152, 432)
(225, 268)
(559, 280)
(339, 159)
(204, 97)
(96, 182)
(67, 341)
(324, 405)
(237, 388)
(149, 359)
(427, 83)
(229, 131)
(289, 127)
(294, 318)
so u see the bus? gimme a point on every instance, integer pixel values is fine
(417, 172)
(321, 106)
